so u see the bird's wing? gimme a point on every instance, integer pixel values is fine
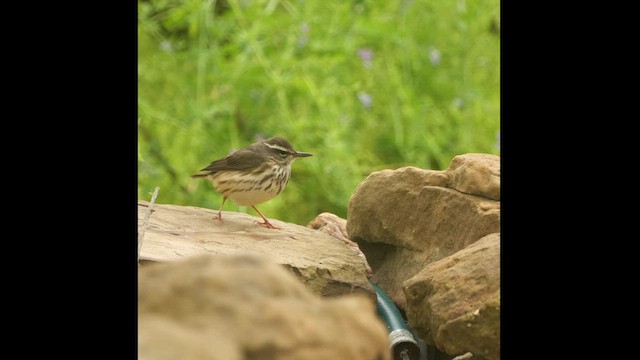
(242, 159)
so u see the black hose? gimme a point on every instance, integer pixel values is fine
(403, 345)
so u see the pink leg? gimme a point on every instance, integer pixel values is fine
(219, 216)
(266, 222)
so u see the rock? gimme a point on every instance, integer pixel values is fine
(454, 303)
(161, 338)
(337, 227)
(407, 218)
(326, 266)
(476, 174)
(236, 307)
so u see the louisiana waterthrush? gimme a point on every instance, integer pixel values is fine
(254, 174)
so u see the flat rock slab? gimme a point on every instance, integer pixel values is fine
(327, 266)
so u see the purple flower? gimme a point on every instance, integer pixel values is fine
(367, 56)
(365, 99)
(304, 35)
(434, 56)
(166, 46)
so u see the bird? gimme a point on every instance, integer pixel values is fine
(254, 174)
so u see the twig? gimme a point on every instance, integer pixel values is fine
(146, 220)
(467, 355)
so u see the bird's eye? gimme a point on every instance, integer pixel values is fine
(283, 153)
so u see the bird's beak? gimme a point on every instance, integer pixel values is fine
(301, 154)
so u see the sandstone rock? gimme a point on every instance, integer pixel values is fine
(337, 227)
(326, 266)
(407, 218)
(162, 338)
(476, 174)
(236, 307)
(454, 303)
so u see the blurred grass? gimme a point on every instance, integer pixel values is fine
(363, 85)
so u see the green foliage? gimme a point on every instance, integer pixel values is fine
(363, 85)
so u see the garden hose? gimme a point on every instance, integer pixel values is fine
(403, 345)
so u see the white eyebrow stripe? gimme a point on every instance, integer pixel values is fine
(278, 147)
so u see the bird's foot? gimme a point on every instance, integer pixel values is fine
(267, 224)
